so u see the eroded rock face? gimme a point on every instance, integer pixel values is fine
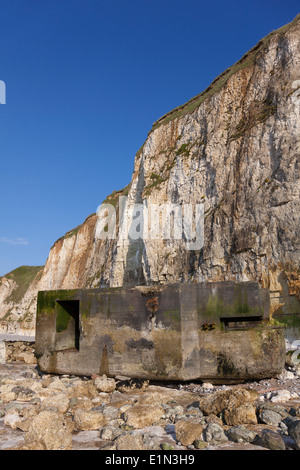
(237, 153)
(234, 148)
(18, 291)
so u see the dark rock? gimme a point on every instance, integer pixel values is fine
(294, 432)
(289, 420)
(241, 434)
(282, 411)
(22, 390)
(295, 412)
(270, 417)
(214, 434)
(272, 441)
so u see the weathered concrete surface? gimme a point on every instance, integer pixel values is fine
(180, 332)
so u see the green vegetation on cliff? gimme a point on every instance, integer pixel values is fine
(113, 198)
(23, 277)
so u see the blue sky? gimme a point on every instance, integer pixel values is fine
(85, 80)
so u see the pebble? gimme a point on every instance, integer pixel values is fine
(113, 407)
(286, 375)
(207, 386)
(281, 396)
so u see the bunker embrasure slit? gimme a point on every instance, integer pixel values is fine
(236, 323)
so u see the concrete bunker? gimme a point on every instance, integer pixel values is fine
(217, 331)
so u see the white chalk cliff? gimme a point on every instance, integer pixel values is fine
(234, 148)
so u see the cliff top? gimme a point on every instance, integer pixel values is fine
(247, 60)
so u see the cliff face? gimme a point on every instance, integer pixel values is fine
(234, 148)
(18, 291)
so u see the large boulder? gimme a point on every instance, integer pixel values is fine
(187, 432)
(244, 414)
(88, 420)
(236, 405)
(49, 431)
(142, 416)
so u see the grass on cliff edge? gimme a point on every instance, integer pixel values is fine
(113, 198)
(247, 60)
(23, 276)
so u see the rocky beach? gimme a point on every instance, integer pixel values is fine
(40, 411)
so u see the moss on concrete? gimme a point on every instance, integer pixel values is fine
(171, 315)
(62, 319)
(216, 308)
(46, 300)
(168, 352)
(286, 321)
